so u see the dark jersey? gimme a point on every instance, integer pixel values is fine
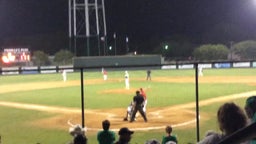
(138, 99)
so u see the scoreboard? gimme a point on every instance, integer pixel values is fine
(14, 55)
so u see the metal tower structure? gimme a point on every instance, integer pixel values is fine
(87, 27)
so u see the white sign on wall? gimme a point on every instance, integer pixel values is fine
(241, 64)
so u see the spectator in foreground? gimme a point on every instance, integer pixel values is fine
(80, 139)
(250, 108)
(169, 137)
(106, 136)
(124, 136)
(75, 130)
(230, 119)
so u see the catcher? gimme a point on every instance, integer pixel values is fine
(129, 112)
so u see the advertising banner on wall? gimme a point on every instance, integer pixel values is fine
(68, 68)
(48, 69)
(185, 66)
(205, 65)
(10, 70)
(168, 67)
(253, 64)
(29, 70)
(241, 64)
(222, 65)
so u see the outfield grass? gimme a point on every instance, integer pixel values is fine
(14, 122)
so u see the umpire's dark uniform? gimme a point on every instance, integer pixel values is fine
(138, 101)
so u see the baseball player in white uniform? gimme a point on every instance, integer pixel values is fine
(105, 74)
(127, 83)
(200, 71)
(64, 75)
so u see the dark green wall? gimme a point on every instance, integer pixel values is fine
(118, 61)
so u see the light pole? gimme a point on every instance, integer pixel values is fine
(114, 36)
(231, 50)
(104, 46)
(165, 49)
(110, 49)
(127, 44)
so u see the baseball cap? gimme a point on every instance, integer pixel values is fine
(125, 130)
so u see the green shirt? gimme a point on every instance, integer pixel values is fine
(106, 137)
(169, 138)
(253, 120)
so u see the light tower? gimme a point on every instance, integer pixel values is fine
(87, 25)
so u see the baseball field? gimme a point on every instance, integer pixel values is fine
(36, 108)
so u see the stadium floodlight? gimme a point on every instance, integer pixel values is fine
(166, 47)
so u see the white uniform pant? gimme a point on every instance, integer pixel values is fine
(105, 77)
(127, 84)
(145, 105)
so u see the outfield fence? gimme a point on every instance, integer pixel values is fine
(165, 65)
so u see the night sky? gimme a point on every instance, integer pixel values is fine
(140, 20)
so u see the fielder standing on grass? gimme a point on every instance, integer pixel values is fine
(148, 75)
(126, 78)
(105, 74)
(64, 75)
(200, 71)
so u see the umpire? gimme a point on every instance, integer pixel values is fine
(138, 106)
